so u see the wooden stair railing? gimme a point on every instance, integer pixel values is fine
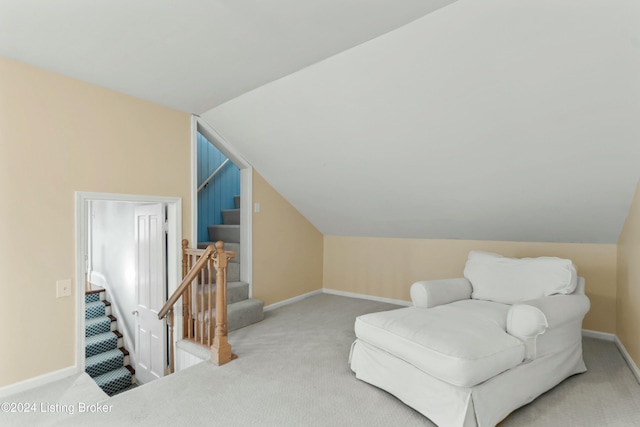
(198, 266)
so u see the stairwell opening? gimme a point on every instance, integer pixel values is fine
(220, 218)
(99, 355)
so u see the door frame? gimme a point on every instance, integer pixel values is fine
(198, 124)
(174, 250)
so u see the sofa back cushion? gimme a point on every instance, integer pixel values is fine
(511, 280)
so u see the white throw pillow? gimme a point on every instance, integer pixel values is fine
(511, 280)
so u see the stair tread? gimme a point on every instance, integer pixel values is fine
(115, 371)
(95, 309)
(93, 320)
(100, 343)
(101, 356)
(104, 362)
(114, 381)
(94, 289)
(97, 325)
(94, 304)
(100, 337)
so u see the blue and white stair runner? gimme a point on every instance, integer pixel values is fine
(104, 359)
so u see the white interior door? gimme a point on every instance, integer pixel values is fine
(150, 332)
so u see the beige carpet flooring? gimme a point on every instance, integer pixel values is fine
(292, 371)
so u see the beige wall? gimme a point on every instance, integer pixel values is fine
(386, 267)
(628, 307)
(287, 249)
(57, 136)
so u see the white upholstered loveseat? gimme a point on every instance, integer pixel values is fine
(471, 350)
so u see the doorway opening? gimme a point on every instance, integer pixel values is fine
(89, 256)
(200, 126)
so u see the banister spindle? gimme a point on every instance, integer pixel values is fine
(171, 349)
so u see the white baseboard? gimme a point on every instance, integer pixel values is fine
(368, 297)
(292, 300)
(614, 338)
(628, 359)
(598, 335)
(37, 381)
(335, 292)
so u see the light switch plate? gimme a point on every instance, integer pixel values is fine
(63, 288)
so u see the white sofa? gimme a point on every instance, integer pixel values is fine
(471, 350)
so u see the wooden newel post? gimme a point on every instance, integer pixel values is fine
(221, 349)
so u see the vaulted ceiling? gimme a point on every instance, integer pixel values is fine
(473, 119)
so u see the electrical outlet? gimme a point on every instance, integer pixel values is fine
(63, 288)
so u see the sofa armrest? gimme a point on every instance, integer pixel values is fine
(531, 318)
(431, 293)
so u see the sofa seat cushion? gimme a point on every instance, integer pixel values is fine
(463, 343)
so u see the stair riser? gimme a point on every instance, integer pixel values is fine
(92, 312)
(225, 233)
(241, 314)
(95, 328)
(245, 315)
(231, 217)
(235, 247)
(99, 296)
(235, 292)
(105, 366)
(111, 383)
(92, 350)
(233, 273)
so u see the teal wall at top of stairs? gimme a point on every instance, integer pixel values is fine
(218, 194)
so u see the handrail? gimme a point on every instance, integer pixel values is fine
(206, 181)
(190, 277)
(196, 313)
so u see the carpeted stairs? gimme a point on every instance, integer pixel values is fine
(241, 310)
(107, 361)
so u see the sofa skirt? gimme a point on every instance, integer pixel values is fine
(446, 405)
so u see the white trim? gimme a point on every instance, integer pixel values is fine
(367, 297)
(222, 144)
(627, 358)
(605, 336)
(292, 300)
(246, 227)
(174, 251)
(194, 182)
(37, 381)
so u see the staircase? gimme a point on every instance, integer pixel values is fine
(107, 361)
(241, 310)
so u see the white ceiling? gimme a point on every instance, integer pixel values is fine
(192, 54)
(484, 119)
